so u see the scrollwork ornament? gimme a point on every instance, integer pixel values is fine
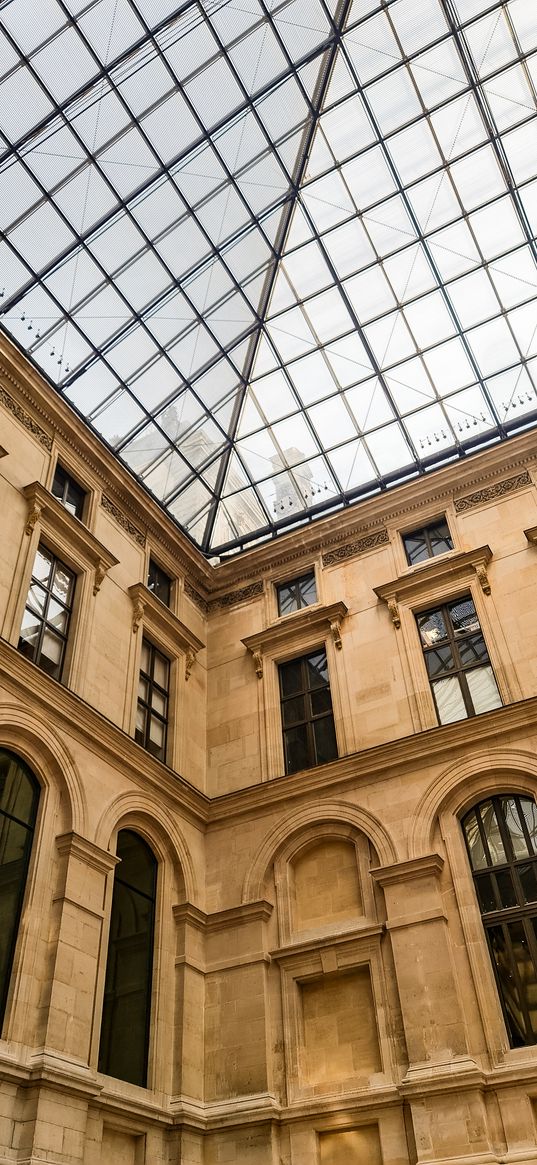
(34, 514)
(138, 608)
(481, 572)
(190, 660)
(258, 664)
(335, 631)
(394, 613)
(100, 571)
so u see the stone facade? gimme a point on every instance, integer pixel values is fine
(322, 991)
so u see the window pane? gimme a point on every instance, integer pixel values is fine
(145, 658)
(432, 628)
(307, 591)
(449, 700)
(485, 893)
(528, 881)
(293, 711)
(287, 600)
(325, 739)
(62, 585)
(161, 670)
(296, 749)
(529, 809)
(416, 547)
(439, 661)
(478, 858)
(291, 677)
(18, 796)
(321, 701)
(50, 656)
(473, 650)
(57, 617)
(440, 538)
(511, 817)
(506, 889)
(463, 617)
(483, 689)
(156, 737)
(42, 565)
(158, 703)
(29, 635)
(317, 669)
(37, 598)
(492, 833)
(507, 984)
(19, 793)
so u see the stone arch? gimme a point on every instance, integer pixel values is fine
(464, 783)
(32, 739)
(146, 816)
(280, 835)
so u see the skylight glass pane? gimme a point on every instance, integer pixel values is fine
(233, 276)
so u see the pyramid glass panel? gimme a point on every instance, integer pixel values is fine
(277, 255)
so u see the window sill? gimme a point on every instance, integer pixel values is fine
(294, 630)
(429, 585)
(68, 536)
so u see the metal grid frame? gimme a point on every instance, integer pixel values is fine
(292, 115)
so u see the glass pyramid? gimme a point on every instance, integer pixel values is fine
(278, 255)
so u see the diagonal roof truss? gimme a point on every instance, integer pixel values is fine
(278, 253)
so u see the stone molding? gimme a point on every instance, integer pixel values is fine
(296, 950)
(73, 845)
(239, 915)
(490, 493)
(195, 596)
(148, 610)
(358, 546)
(24, 417)
(531, 535)
(57, 521)
(409, 871)
(119, 516)
(309, 621)
(428, 580)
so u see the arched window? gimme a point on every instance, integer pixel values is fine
(501, 837)
(19, 797)
(127, 992)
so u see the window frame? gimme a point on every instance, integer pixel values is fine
(306, 694)
(147, 706)
(43, 621)
(70, 481)
(458, 671)
(152, 561)
(295, 582)
(29, 851)
(523, 911)
(425, 531)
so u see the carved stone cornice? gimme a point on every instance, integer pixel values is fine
(432, 579)
(490, 493)
(301, 624)
(400, 872)
(158, 619)
(68, 532)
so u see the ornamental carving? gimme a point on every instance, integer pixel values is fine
(196, 598)
(489, 494)
(122, 520)
(230, 600)
(359, 546)
(25, 419)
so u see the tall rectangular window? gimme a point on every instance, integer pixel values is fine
(427, 542)
(45, 623)
(153, 695)
(298, 593)
(68, 492)
(309, 736)
(458, 664)
(159, 583)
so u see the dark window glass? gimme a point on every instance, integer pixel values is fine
(127, 992)
(153, 693)
(309, 736)
(45, 623)
(298, 593)
(500, 838)
(19, 796)
(427, 542)
(68, 492)
(159, 583)
(458, 666)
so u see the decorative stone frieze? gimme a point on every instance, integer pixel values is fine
(196, 597)
(233, 598)
(356, 547)
(122, 520)
(491, 493)
(25, 419)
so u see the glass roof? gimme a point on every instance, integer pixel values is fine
(278, 253)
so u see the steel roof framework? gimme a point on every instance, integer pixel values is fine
(278, 255)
